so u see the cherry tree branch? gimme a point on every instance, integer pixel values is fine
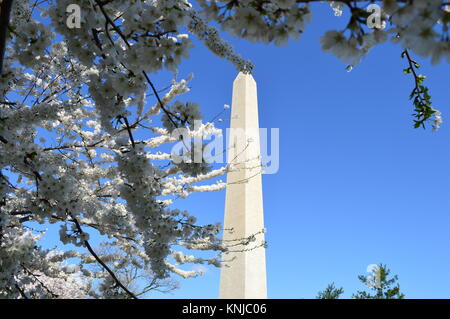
(22, 293)
(40, 282)
(4, 23)
(122, 36)
(97, 258)
(420, 95)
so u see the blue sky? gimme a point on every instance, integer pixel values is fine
(357, 184)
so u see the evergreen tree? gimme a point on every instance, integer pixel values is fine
(379, 285)
(331, 292)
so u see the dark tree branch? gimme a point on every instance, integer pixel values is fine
(130, 134)
(97, 258)
(4, 23)
(40, 282)
(22, 293)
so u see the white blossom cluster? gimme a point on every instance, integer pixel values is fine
(337, 8)
(423, 27)
(419, 25)
(349, 50)
(36, 273)
(259, 21)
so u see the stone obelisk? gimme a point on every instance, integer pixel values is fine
(243, 274)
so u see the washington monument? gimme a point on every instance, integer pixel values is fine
(243, 275)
